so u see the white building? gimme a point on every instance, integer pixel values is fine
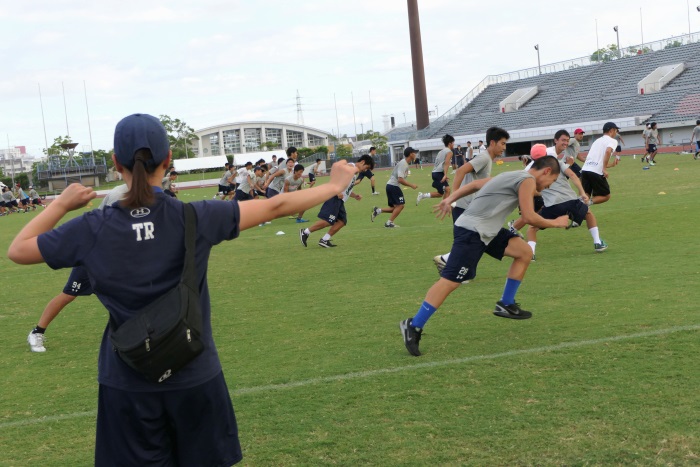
(243, 137)
(15, 160)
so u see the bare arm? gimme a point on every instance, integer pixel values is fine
(24, 249)
(255, 212)
(403, 182)
(462, 172)
(446, 166)
(445, 205)
(527, 208)
(577, 183)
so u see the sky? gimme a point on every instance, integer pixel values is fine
(212, 62)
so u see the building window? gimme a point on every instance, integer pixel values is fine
(295, 138)
(274, 135)
(214, 143)
(232, 142)
(315, 141)
(252, 139)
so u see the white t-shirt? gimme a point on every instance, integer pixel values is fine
(552, 151)
(596, 155)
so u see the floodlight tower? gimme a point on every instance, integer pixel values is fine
(419, 92)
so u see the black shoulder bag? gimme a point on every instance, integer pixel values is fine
(165, 335)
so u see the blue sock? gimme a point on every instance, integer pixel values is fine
(509, 291)
(423, 315)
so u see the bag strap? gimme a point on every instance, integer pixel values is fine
(189, 270)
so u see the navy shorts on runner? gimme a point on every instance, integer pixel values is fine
(697, 146)
(468, 249)
(333, 211)
(312, 177)
(456, 212)
(575, 209)
(394, 196)
(225, 189)
(594, 184)
(438, 184)
(78, 284)
(270, 193)
(242, 196)
(618, 148)
(259, 193)
(366, 174)
(575, 168)
(651, 148)
(195, 426)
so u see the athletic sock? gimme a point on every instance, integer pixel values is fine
(595, 234)
(532, 245)
(424, 313)
(373, 190)
(509, 291)
(307, 231)
(38, 330)
(325, 237)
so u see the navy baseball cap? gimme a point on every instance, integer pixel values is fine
(140, 131)
(609, 126)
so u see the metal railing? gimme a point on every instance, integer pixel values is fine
(595, 58)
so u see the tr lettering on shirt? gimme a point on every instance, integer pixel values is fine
(146, 228)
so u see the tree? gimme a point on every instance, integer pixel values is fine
(673, 44)
(55, 148)
(343, 151)
(605, 54)
(322, 149)
(270, 145)
(180, 135)
(378, 140)
(305, 152)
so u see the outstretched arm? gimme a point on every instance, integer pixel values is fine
(527, 209)
(445, 205)
(24, 249)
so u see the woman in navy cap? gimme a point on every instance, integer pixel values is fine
(133, 254)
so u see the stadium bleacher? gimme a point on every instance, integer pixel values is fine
(605, 90)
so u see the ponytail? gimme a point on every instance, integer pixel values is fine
(141, 193)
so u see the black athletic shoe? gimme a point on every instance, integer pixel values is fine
(326, 243)
(303, 237)
(511, 311)
(411, 336)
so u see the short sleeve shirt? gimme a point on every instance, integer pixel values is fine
(400, 171)
(481, 164)
(596, 155)
(440, 160)
(294, 184)
(696, 133)
(573, 148)
(134, 256)
(653, 136)
(492, 204)
(560, 191)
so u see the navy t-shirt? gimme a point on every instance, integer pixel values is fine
(133, 256)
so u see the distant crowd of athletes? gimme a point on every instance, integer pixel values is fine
(16, 200)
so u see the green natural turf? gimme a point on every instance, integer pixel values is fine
(312, 353)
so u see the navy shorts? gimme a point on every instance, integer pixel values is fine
(575, 209)
(394, 196)
(456, 212)
(468, 249)
(438, 184)
(2, 204)
(697, 146)
(575, 168)
(225, 189)
(333, 211)
(25, 201)
(170, 193)
(36, 201)
(259, 193)
(651, 148)
(270, 192)
(459, 161)
(195, 426)
(618, 148)
(78, 284)
(594, 184)
(242, 196)
(312, 177)
(366, 174)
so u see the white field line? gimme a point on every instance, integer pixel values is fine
(384, 371)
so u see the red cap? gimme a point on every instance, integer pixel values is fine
(578, 131)
(537, 151)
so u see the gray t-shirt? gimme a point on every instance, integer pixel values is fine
(573, 148)
(560, 191)
(440, 160)
(8, 196)
(294, 184)
(482, 164)
(166, 183)
(696, 133)
(277, 183)
(492, 204)
(653, 136)
(224, 178)
(244, 186)
(400, 171)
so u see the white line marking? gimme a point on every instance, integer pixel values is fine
(384, 371)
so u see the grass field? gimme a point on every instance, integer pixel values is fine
(605, 373)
